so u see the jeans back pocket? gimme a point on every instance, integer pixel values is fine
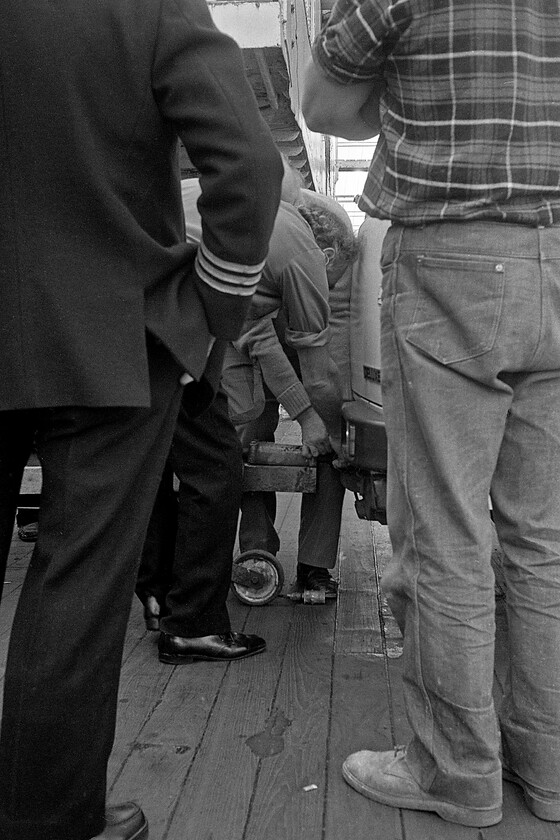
(458, 307)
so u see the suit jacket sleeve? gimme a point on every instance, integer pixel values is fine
(200, 85)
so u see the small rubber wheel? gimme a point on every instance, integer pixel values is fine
(257, 577)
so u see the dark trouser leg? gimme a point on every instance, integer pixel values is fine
(321, 514)
(155, 572)
(101, 470)
(258, 515)
(206, 457)
(258, 510)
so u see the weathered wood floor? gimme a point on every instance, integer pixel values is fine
(252, 750)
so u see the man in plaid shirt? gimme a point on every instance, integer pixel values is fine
(465, 97)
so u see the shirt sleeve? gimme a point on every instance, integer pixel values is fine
(262, 345)
(305, 300)
(200, 86)
(352, 45)
(339, 346)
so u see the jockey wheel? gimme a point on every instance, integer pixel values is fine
(257, 577)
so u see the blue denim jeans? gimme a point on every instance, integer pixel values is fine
(471, 393)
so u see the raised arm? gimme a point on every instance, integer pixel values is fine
(350, 111)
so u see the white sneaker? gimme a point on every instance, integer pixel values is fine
(543, 804)
(385, 777)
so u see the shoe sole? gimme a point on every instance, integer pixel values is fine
(176, 659)
(142, 833)
(471, 817)
(27, 537)
(540, 808)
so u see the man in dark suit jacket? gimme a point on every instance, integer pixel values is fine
(104, 310)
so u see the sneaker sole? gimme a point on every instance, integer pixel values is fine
(549, 811)
(472, 817)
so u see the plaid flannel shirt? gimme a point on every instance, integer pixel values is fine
(471, 107)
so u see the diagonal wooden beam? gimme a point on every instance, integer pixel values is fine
(266, 77)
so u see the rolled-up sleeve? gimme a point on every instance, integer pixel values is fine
(262, 345)
(305, 301)
(351, 47)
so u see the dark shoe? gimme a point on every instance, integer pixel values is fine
(124, 822)
(29, 532)
(316, 579)
(152, 611)
(221, 648)
(543, 804)
(385, 777)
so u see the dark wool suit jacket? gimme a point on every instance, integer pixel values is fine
(93, 98)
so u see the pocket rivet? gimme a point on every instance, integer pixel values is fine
(500, 267)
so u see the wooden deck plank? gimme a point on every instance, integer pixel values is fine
(360, 716)
(225, 752)
(143, 682)
(282, 808)
(359, 720)
(359, 626)
(518, 823)
(166, 729)
(161, 756)
(225, 767)
(20, 554)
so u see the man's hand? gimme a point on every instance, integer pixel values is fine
(336, 446)
(314, 435)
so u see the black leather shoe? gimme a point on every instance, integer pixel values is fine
(29, 532)
(221, 648)
(152, 613)
(124, 822)
(317, 579)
